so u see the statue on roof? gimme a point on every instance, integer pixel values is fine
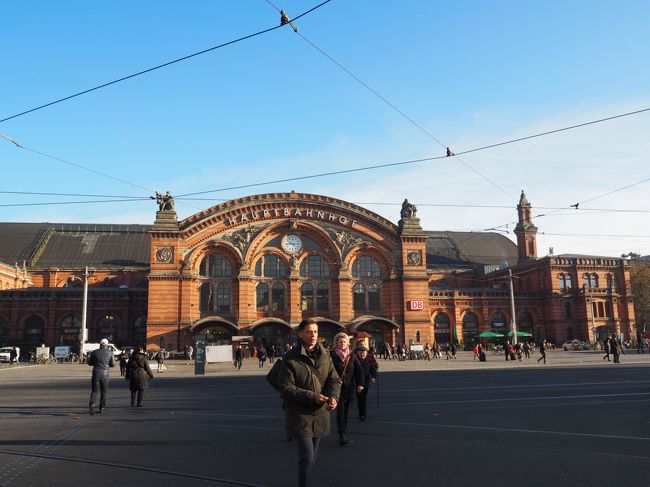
(408, 210)
(165, 202)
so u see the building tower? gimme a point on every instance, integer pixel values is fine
(526, 231)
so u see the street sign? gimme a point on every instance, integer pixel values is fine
(199, 361)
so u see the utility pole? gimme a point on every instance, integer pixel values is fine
(513, 324)
(84, 310)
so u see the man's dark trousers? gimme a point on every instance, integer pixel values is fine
(100, 385)
(307, 450)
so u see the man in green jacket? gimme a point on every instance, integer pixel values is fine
(310, 388)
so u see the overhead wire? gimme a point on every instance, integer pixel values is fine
(394, 107)
(154, 68)
(412, 161)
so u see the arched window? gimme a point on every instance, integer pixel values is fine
(525, 322)
(206, 302)
(262, 294)
(223, 298)
(278, 296)
(307, 297)
(498, 321)
(322, 297)
(270, 266)
(34, 330)
(568, 281)
(359, 297)
(441, 328)
(586, 280)
(562, 281)
(215, 265)
(593, 280)
(72, 282)
(314, 266)
(611, 281)
(374, 295)
(366, 267)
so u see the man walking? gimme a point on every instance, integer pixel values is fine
(542, 350)
(310, 388)
(101, 361)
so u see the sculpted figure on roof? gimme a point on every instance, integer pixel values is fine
(408, 210)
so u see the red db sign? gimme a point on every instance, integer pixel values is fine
(416, 304)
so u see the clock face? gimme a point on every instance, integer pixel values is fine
(292, 244)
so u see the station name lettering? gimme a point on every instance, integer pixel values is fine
(251, 216)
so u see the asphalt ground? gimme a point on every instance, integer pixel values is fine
(578, 421)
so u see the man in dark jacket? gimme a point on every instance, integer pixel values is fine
(101, 361)
(310, 388)
(369, 372)
(349, 370)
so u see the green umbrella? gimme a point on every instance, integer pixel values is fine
(489, 334)
(521, 334)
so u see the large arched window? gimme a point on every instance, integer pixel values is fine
(34, 330)
(359, 297)
(271, 272)
(314, 266)
(499, 322)
(441, 328)
(322, 297)
(374, 297)
(215, 265)
(277, 296)
(525, 322)
(70, 329)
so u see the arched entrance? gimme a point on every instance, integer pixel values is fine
(271, 332)
(441, 328)
(326, 331)
(34, 331)
(381, 330)
(216, 332)
(602, 332)
(470, 330)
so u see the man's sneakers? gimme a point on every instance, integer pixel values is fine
(91, 409)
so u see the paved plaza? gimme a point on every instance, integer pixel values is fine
(578, 421)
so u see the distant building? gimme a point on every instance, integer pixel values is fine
(256, 266)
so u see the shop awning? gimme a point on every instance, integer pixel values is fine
(489, 334)
(521, 334)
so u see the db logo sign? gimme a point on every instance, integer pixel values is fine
(416, 304)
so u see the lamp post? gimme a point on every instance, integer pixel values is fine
(513, 323)
(84, 310)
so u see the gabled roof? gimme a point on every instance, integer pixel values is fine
(44, 245)
(457, 248)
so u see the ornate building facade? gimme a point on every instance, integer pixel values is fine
(256, 266)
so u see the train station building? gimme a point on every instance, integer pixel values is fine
(256, 266)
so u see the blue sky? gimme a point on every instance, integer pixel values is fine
(470, 73)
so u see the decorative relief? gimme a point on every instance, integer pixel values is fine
(344, 240)
(243, 238)
(164, 255)
(414, 257)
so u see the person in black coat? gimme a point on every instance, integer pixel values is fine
(369, 372)
(349, 370)
(138, 373)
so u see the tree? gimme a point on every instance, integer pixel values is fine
(640, 282)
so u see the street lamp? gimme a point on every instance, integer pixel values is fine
(513, 322)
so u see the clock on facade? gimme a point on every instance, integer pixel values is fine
(292, 243)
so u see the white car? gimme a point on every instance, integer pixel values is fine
(575, 344)
(5, 354)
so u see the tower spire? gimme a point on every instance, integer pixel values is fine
(526, 231)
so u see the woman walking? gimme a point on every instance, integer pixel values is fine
(138, 373)
(369, 371)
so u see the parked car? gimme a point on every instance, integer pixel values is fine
(575, 344)
(5, 354)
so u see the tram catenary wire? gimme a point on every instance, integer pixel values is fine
(131, 467)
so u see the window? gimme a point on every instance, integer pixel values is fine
(270, 266)
(586, 280)
(359, 297)
(223, 298)
(307, 297)
(215, 265)
(323, 297)
(262, 295)
(277, 292)
(562, 281)
(374, 301)
(593, 280)
(366, 267)
(206, 303)
(314, 266)
(567, 280)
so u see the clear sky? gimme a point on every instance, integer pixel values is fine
(470, 73)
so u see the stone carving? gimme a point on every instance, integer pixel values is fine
(242, 238)
(164, 255)
(414, 257)
(408, 210)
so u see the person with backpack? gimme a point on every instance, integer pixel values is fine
(138, 373)
(310, 388)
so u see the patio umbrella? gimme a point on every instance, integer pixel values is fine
(521, 334)
(489, 334)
